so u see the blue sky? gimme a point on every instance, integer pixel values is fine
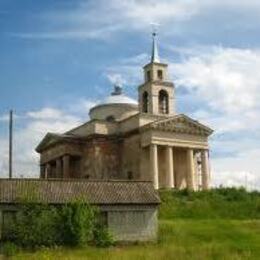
(59, 58)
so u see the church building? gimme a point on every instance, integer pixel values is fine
(129, 140)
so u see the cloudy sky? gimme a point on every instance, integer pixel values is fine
(59, 58)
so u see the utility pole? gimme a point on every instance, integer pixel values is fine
(11, 144)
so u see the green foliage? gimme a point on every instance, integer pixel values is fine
(102, 236)
(181, 239)
(77, 223)
(9, 249)
(35, 226)
(228, 203)
(39, 225)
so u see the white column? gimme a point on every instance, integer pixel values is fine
(169, 167)
(154, 165)
(205, 169)
(191, 170)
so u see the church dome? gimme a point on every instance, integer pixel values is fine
(116, 107)
(120, 99)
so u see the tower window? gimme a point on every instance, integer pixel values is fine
(145, 102)
(163, 102)
(160, 74)
(148, 75)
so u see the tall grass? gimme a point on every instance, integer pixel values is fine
(217, 224)
(222, 203)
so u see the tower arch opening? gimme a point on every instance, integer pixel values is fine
(163, 102)
(145, 102)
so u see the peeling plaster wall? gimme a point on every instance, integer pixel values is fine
(131, 156)
(101, 159)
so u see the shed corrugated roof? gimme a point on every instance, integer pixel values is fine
(61, 191)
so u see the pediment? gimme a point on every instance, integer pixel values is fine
(181, 124)
(46, 141)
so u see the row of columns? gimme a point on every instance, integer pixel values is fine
(191, 171)
(62, 168)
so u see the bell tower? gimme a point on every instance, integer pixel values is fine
(156, 94)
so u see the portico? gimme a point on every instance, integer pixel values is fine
(66, 166)
(179, 168)
(178, 153)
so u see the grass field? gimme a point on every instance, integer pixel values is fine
(221, 224)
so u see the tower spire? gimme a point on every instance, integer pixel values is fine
(155, 53)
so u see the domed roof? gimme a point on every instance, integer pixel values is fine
(117, 107)
(117, 97)
(120, 99)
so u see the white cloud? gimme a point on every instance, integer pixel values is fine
(116, 79)
(241, 170)
(227, 79)
(226, 83)
(45, 113)
(35, 126)
(81, 21)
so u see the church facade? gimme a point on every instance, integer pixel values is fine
(129, 140)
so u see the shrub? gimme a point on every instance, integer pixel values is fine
(39, 225)
(9, 249)
(36, 226)
(102, 236)
(77, 223)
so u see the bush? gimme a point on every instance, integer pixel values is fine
(102, 236)
(9, 249)
(77, 223)
(38, 225)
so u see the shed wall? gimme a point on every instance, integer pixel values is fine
(133, 225)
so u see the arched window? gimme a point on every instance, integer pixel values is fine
(145, 102)
(160, 74)
(163, 102)
(148, 75)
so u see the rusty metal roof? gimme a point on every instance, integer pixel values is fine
(58, 191)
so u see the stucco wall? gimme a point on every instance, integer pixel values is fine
(131, 154)
(145, 173)
(101, 159)
(133, 225)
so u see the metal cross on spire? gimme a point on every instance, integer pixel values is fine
(155, 53)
